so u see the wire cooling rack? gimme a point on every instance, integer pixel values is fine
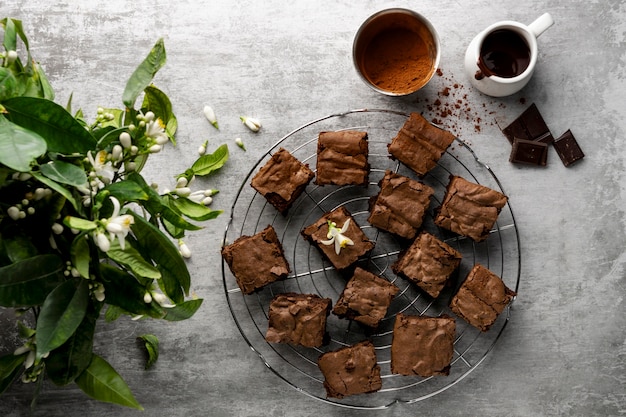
(311, 273)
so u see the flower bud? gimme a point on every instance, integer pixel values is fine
(13, 212)
(183, 191)
(239, 143)
(210, 115)
(57, 228)
(126, 140)
(11, 57)
(154, 149)
(181, 182)
(148, 117)
(102, 242)
(207, 201)
(184, 249)
(252, 123)
(116, 153)
(147, 298)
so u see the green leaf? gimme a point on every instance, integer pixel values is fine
(19, 147)
(8, 84)
(58, 188)
(143, 75)
(162, 250)
(128, 191)
(183, 311)
(61, 314)
(64, 173)
(79, 253)
(10, 366)
(124, 291)
(28, 282)
(169, 285)
(19, 247)
(79, 223)
(113, 313)
(10, 34)
(132, 259)
(101, 382)
(159, 103)
(209, 163)
(67, 362)
(193, 210)
(61, 131)
(151, 344)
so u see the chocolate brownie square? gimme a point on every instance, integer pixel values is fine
(257, 260)
(298, 319)
(481, 298)
(422, 345)
(350, 370)
(365, 298)
(419, 145)
(317, 234)
(469, 209)
(282, 179)
(400, 205)
(342, 158)
(428, 263)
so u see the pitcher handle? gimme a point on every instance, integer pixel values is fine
(541, 24)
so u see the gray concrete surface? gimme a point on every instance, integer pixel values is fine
(564, 351)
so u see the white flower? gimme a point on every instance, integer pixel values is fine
(210, 115)
(118, 226)
(252, 123)
(103, 168)
(155, 129)
(336, 236)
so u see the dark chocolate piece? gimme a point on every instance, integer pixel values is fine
(529, 152)
(282, 179)
(422, 345)
(530, 126)
(469, 209)
(400, 205)
(568, 149)
(342, 158)
(365, 298)
(317, 232)
(419, 144)
(350, 370)
(481, 298)
(298, 319)
(257, 260)
(428, 263)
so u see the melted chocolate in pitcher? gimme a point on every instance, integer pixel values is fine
(504, 53)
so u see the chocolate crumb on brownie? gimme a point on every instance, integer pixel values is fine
(422, 345)
(257, 260)
(419, 144)
(400, 205)
(530, 126)
(298, 319)
(428, 263)
(282, 179)
(568, 149)
(349, 254)
(481, 298)
(365, 298)
(342, 158)
(350, 370)
(469, 209)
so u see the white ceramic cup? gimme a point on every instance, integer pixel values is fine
(498, 86)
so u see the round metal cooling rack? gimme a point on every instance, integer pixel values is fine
(311, 273)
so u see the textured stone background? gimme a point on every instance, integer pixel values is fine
(564, 351)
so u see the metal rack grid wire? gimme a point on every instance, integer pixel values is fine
(311, 273)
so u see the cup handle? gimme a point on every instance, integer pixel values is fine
(540, 25)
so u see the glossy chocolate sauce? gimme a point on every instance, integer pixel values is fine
(503, 53)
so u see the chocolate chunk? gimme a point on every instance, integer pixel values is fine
(568, 149)
(530, 126)
(529, 152)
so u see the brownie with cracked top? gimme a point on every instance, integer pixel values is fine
(481, 298)
(282, 179)
(298, 319)
(469, 209)
(350, 370)
(365, 298)
(422, 345)
(400, 205)
(342, 158)
(256, 260)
